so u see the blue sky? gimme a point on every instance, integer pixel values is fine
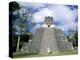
(65, 16)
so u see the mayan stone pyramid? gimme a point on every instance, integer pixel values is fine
(49, 39)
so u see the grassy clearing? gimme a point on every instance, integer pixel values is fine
(26, 55)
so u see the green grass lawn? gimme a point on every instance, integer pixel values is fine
(26, 55)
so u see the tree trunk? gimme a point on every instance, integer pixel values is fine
(18, 43)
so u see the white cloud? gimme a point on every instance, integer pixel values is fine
(60, 13)
(33, 5)
(39, 16)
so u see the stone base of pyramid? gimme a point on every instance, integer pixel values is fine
(49, 40)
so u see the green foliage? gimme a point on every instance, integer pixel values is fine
(14, 42)
(13, 6)
(76, 35)
(22, 25)
(74, 38)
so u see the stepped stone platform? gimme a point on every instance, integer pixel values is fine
(49, 39)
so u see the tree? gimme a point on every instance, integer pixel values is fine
(22, 24)
(13, 6)
(74, 38)
(18, 23)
